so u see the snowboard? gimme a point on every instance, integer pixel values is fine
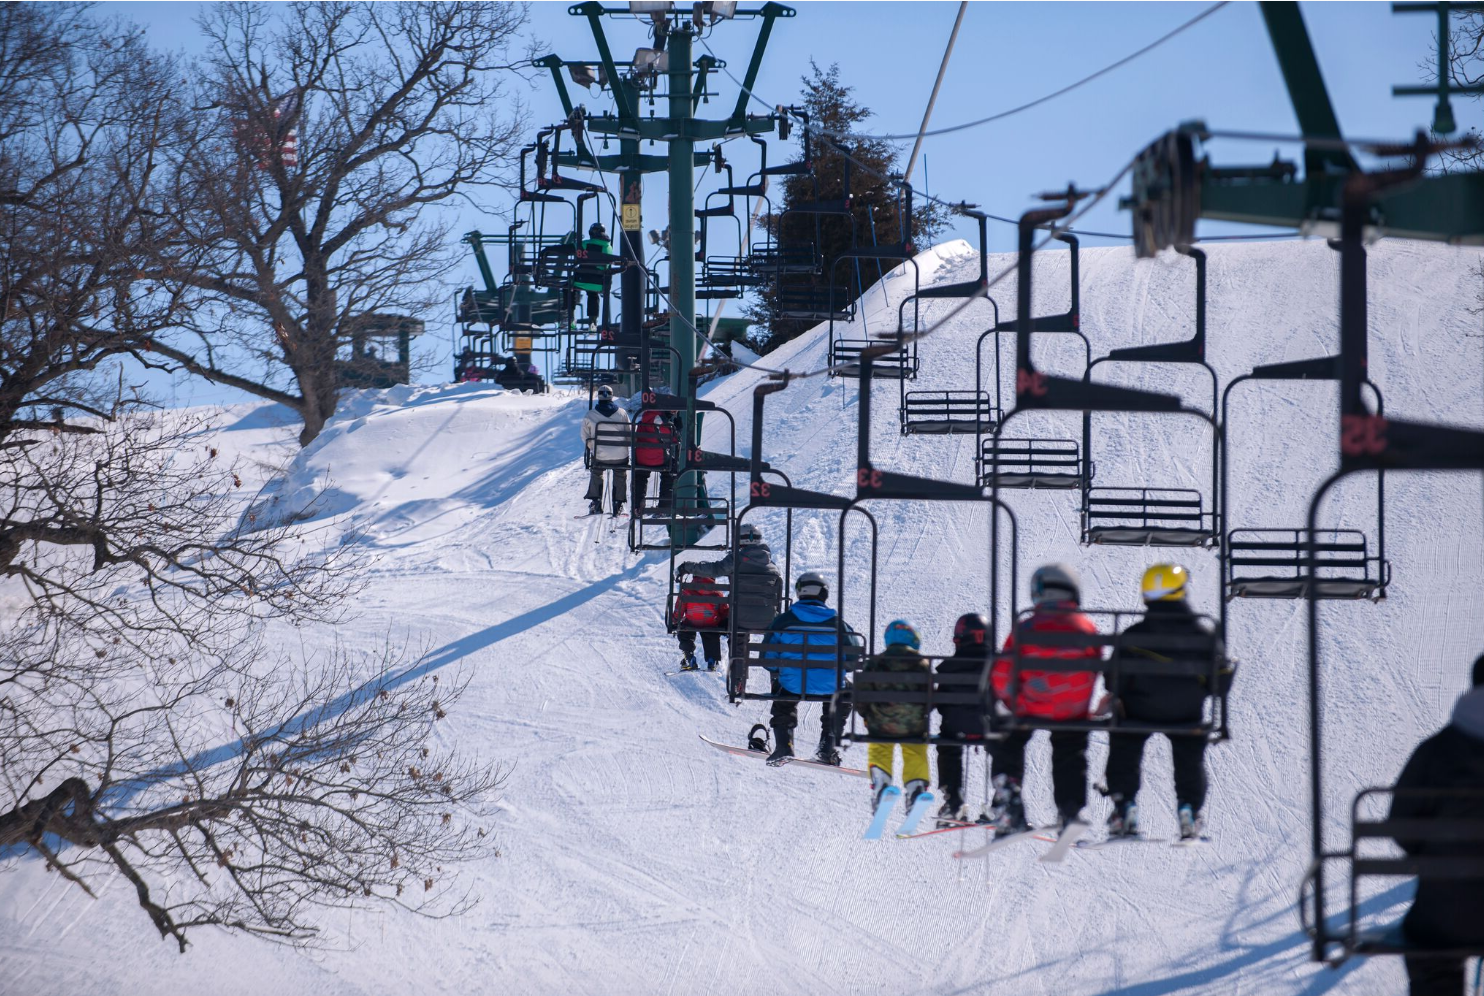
(801, 762)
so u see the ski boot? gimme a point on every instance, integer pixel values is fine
(1191, 823)
(757, 738)
(826, 752)
(912, 790)
(1007, 814)
(783, 749)
(617, 509)
(1125, 819)
(880, 781)
(953, 811)
(688, 662)
(595, 507)
(712, 663)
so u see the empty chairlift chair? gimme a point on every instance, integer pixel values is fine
(955, 412)
(1271, 562)
(1037, 462)
(1158, 516)
(902, 363)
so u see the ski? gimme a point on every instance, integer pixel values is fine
(800, 762)
(693, 670)
(1190, 841)
(915, 814)
(1069, 836)
(1000, 840)
(954, 828)
(1097, 845)
(884, 806)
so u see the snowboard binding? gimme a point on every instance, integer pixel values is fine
(757, 738)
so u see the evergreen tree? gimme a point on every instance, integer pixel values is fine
(876, 215)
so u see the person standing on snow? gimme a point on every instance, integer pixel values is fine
(1044, 695)
(606, 454)
(896, 719)
(757, 592)
(970, 657)
(1166, 699)
(1449, 910)
(655, 438)
(809, 623)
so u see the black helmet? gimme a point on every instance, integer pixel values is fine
(971, 630)
(749, 535)
(596, 228)
(812, 586)
(1054, 583)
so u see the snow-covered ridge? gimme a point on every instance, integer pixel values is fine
(634, 859)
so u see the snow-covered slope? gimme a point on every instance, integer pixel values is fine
(634, 859)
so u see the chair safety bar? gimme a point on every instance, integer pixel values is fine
(1030, 463)
(948, 412)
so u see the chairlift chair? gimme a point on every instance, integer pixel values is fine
(1269, 563)
(1056, 464)
(1157, 516)
(1370, 442)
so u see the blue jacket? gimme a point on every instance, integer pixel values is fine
(809, 623)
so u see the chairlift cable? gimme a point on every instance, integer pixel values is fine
(937, 85)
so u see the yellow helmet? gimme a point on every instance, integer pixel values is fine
(1165, 583)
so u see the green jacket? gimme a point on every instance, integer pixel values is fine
(589, 276)
(894, 719)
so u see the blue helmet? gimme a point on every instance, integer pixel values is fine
(899, 633)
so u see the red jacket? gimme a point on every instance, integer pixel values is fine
(1048, 694)
(699, 614)
(652, 440)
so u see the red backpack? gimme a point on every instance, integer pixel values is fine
(699, 614)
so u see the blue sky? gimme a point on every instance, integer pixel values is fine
(1221, 70)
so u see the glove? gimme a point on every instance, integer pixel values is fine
(685, 568)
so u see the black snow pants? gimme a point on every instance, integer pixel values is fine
(1068, 765)
(1126, 757)
(785, 716)
(595, 483)
(951, 771)
(710, 643)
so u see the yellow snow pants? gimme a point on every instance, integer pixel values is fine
(914, 760)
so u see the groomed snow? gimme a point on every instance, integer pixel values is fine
(634, 859)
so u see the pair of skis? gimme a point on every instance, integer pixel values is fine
(888, 802)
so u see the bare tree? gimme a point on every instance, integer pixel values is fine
(302, 192)
(145, 728)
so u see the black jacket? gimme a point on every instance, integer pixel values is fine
(1165, 697)
(755, 579)
(1447, 911)
(962, 719)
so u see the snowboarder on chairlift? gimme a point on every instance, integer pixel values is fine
(1173, 699)
(809, 623)
(757, 591)
(970, 657)
(655, 434)
(699, 608)
(896, 719)
(605, 456)
(1448, 912)
(1044, 695)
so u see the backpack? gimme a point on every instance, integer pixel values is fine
(698, 614)
(759, 588)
